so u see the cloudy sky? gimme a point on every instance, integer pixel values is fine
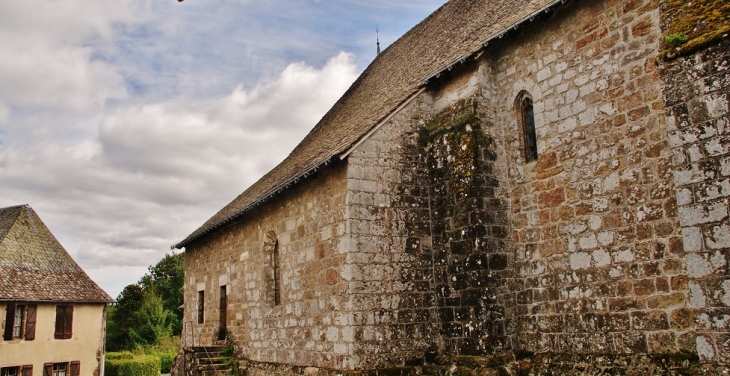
(127, 124)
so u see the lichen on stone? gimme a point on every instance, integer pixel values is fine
(690, 25)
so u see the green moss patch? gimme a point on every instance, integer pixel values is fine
(691, 25)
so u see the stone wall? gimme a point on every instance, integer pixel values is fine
(697, 99)
(309, 224)
(390, 265)
(435, 238)
(599, 258)
(469, 225)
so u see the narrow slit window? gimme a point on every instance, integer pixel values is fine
(201, 307)
(223, 308)
(277, 275)
(528, 129)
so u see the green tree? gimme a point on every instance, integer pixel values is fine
(147, 313)
(166, 278)
(122, 318)
(153, 321)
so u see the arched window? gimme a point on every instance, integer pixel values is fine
(272, 275)
(277, 275)
(528, 127)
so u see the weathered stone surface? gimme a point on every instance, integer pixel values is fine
(703, 209)
(434, 237)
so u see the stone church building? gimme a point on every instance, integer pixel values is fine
(513, 186)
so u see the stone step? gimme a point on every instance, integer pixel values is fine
(208, 355)
(212, 360)
(214, 370)
(213, 367)
(207, 349)
(215, 373)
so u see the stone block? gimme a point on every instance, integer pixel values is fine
(675, 299)
(717, 236)
(543, 74)
(663, 342)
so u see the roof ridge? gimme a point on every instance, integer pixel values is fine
(456, 30)
(36, 266)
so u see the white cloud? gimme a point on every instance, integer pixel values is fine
(45, 58)
(121, 122)
(154, 173)
(184, 138)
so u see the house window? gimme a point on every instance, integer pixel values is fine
(64, 321)
(10, 371)
(19, 321)
(26, 370)
(62, 369)
(528, 127)
(59, 369)
(201, 307)
(277, 275)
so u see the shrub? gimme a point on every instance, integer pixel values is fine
(166, 360)
(119, 355)
(168, 344)
(144, 365)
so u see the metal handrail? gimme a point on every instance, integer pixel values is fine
(186, 325)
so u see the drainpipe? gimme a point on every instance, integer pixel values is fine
(102, 342)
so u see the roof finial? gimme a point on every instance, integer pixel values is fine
(377, 37)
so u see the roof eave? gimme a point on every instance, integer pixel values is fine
(496, 36)
(263, 198)
(447, 67)
(57, 301)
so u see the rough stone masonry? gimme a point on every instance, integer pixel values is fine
(437, 247)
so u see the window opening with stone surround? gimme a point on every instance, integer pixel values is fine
(223, 308)
(277, 275)
(527, 118)
(273, 269)
(201, 307)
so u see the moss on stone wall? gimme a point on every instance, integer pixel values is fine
(690, 25)
(452, 141)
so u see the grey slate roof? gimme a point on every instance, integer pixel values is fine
(456, 30)
(34, 266)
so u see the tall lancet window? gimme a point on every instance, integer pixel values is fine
(528, 127)
(277, 275)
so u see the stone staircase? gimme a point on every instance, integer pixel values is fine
(210, 361)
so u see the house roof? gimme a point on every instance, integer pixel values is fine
(34, 266)
(452, 33)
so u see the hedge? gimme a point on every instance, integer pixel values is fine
(166, 360)
(119, 355)
(141, 365)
